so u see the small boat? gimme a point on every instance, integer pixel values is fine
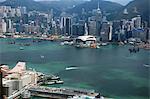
(97, 46)
(62, 43)
(50, 83)
(55, 78)
(132, 43)
(59, 82)
(72, 68)
(21, 48)
(42, 56)
(104, 44)
(146, 65)
(67, 43)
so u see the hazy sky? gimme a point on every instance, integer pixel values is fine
(123, 2)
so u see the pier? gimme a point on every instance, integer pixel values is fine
(60, 93)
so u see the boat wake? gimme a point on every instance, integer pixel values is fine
(146, 65)
(71, 68)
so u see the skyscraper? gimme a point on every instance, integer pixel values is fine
(3, 26)
(137, 21)
(92, 27)
(98, 20)
(66, 25)
(106, 32)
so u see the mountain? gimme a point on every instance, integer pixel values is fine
(30, 4)
(63, 4)
(106, 6)
(45, 6)
(141, 6)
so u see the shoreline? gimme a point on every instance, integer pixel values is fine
(142, 45)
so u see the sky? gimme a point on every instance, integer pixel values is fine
(123, 2)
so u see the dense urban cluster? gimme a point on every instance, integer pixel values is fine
(88, 29)
(17, 21)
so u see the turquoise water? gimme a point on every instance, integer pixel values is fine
(111, 70)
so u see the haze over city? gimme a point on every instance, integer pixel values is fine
(74, 49)
(123, 2)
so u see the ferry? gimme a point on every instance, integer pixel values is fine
(72, 68)
(146, 65)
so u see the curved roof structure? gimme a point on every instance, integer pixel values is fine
(87, 38)
(19, 68)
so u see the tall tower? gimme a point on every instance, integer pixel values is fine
(98, 13)
(98, 19)
(110, 31)
(66, 25)
(9, 24)
(4, 26)
(86, 30)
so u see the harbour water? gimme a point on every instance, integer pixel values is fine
(111, 70)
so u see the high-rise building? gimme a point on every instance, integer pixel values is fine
(98, 20)
(18, 12)
(66, 25)
(137, 21)
(148, 35)
(23, 10)
(78, 29)
(92, 27)
(3, 27)
(106, 32)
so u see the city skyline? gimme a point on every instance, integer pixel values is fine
(74, 49)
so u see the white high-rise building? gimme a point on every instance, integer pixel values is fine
(18, 12)
(125, 11)
(9, 24)
(137, 21)
(110, 31)
(3, 26)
